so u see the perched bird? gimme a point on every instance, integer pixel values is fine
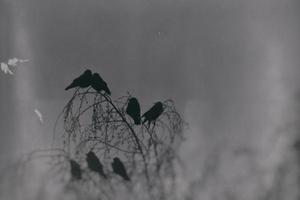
(83, 81)
(99, 84)
(119, 168)
(134, 111)
(75, 170)
(153, 113)
(94, 163)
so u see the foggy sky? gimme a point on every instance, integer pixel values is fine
(232, 68)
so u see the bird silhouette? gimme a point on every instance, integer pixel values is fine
(94, 163)
(153, 113)
(119, 168)
(134, 111)
(75, 170)
(83, 81)
(99, 84)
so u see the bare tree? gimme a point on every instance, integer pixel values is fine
(93, 121)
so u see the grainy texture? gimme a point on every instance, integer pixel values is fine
(232, 68)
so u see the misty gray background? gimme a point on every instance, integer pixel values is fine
(232, 68)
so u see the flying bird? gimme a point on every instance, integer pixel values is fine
(153, 113)
(11, 62)
(134, 111)
(119, 168)
(5, 69)
(14, 61)
(75, 170)
(94, 163)
(99, 84)
(83, 81)
(39, 115)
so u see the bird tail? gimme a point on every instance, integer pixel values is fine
(137, 121)
(103, 175)
(107, 90)
(126, 178)
(144, 121)
(69, 87)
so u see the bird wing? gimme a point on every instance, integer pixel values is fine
(134, 110)
(39, 114)
(5, 69)
(23, 60)
(95, 164)
(107, 90)
(13, 61)
(98, 164)
(130, 107)
(121, 170)
(74, 83)
(78, 79)
(99, 84)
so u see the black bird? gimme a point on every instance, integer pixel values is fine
(134, 111)
(94, 163)
(83, 81)
(119, 168)
(153, 113)
(99, 84)
(75, 170)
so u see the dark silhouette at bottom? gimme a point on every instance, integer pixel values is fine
(119, 168)
(75, 170)
(94, 163)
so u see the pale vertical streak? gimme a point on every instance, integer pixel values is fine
(26, 127)
(274, 141)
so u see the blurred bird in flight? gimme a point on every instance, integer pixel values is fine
(14, 61)
(119, 168)
(11, 62)
(134, 111)
(39, 115)
(83, 81)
